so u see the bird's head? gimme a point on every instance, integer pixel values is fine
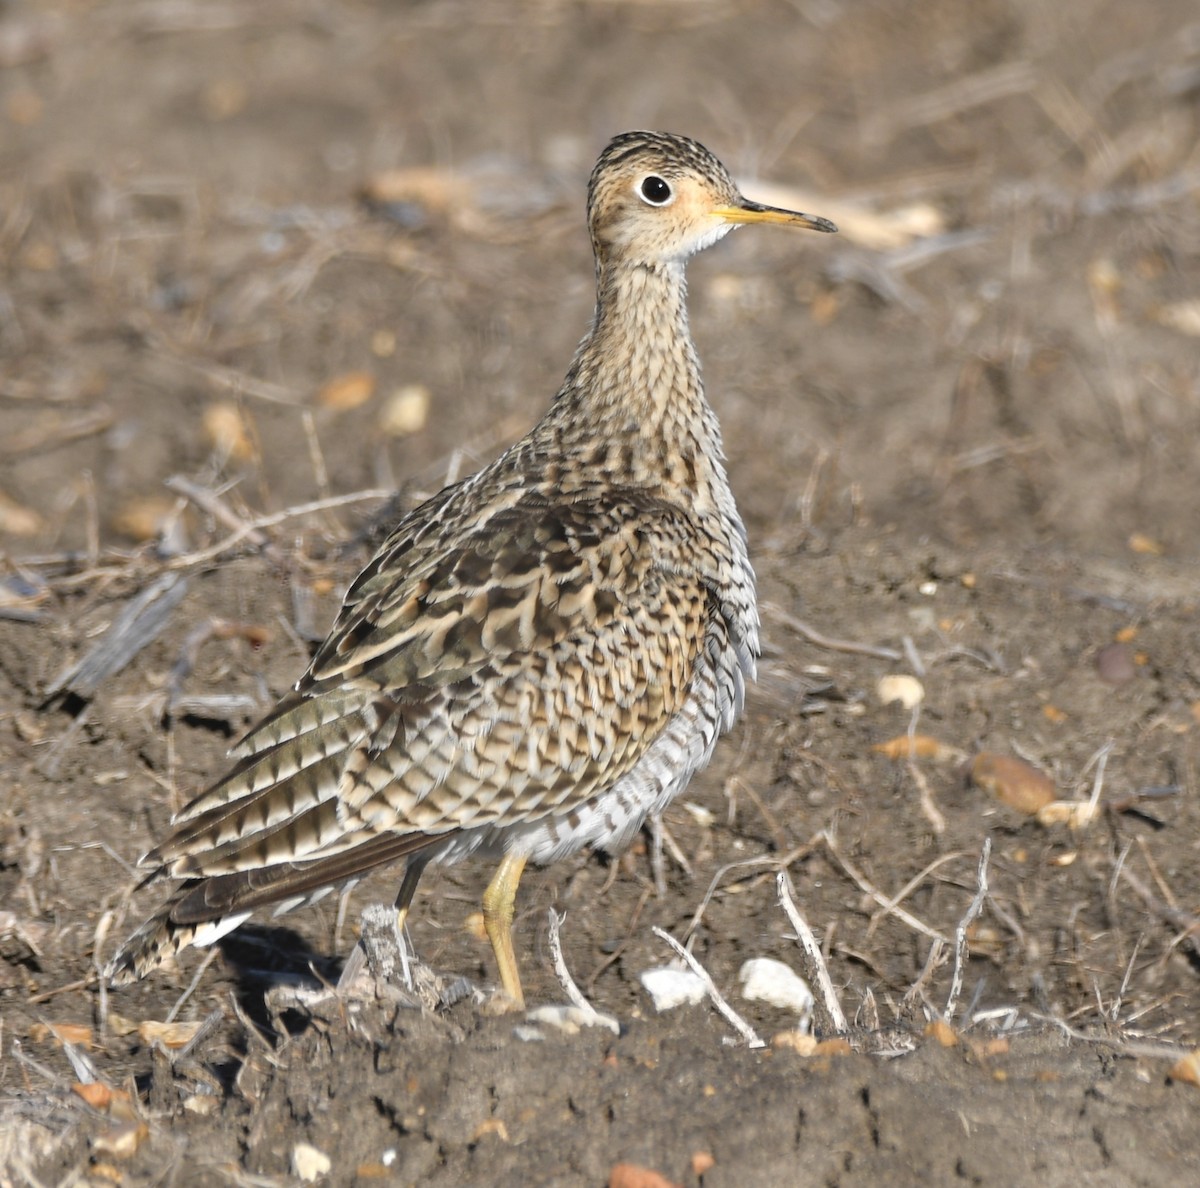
(655, 198)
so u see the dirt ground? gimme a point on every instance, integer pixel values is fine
(284, 253)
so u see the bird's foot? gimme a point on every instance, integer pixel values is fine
(500, 1002)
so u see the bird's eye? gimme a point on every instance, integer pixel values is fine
(655, 191)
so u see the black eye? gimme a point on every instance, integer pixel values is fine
(655, 190)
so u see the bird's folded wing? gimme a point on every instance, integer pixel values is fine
(480, 676)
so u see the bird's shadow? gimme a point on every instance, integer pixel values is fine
(262, 956)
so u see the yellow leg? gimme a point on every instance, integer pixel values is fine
(499, 901)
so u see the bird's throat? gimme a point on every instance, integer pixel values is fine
(636, 377)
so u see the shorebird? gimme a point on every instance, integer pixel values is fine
(538, 657)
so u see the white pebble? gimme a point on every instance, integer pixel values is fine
(766, 980)
(907, 690)
(406, 411)
(309, 1164)
(571, 1019)
(669, 988)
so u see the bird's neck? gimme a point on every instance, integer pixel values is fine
(634, 383)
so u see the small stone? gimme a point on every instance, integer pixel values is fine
(670, 988)
(406, 411)
(571, 1019)
(907, 690)
(1116, 664)
(764, 979)
(310, 1164)
(1013, 782)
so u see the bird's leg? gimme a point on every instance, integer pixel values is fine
(413, 869)
(499, 901)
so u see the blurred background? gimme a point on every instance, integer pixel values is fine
(308, 248)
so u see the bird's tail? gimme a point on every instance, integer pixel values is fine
(162, 936)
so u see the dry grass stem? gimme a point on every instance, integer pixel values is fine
(138, 624)
(869, 888)
(818, 971)
(212, 503)
(929, 808)
(975, 90)
(910, 887)
(934, 960)
(814, 637)
(561, 971)
(960, 933)
(209, 958)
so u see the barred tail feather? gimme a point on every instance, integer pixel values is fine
(161, 937)
(202, 910)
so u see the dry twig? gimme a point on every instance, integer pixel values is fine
(561, 971)
(878, 896)
(732, 1017)
(818, 971)
(814, 637)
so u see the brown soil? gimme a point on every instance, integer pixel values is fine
(974, 452)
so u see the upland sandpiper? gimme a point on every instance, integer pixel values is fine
(538, 657)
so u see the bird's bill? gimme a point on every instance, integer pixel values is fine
(755, 212)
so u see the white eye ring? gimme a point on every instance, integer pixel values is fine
(654, 191)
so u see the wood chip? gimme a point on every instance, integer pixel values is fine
(633, 1175)
(1183, 316)
(801, 1042)
(1187, 1068)
(170, 1035)
(1146, 545)
(122, 1141)
(16, 520)
(79, 1034)
(309, 1164)
(918, 746)
(142, 518)
(348, 391)
(1075, 814)
(491, 1126)
(941, 1031)
(97, 1094)
(227, 432)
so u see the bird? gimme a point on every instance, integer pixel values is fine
(538, 657)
